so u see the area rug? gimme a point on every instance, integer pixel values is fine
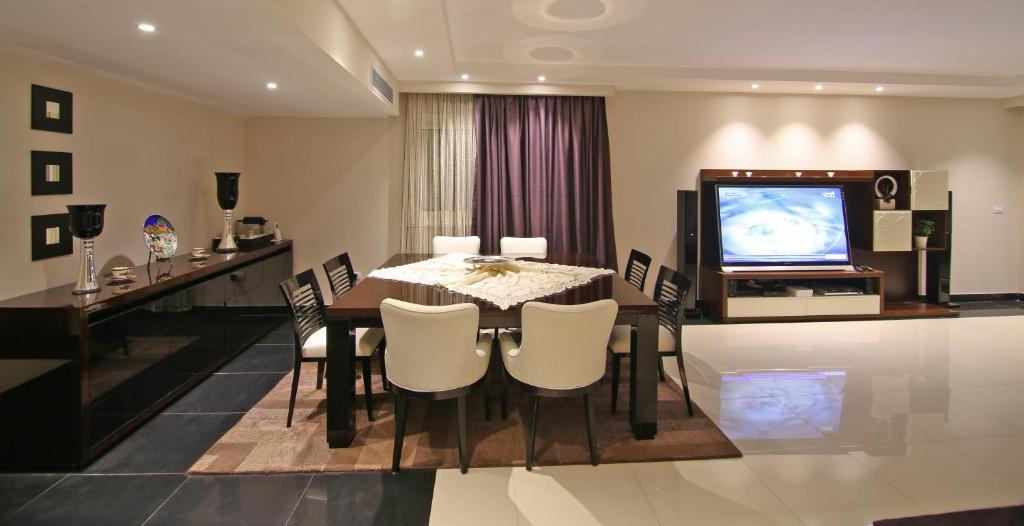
(1009, 516)
(260, 442)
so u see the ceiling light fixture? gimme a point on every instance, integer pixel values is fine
(755, 86)
(146, 27)
(879, 88)
(271, 85)
(818, 87)
(542, 78)
(418, 52)
(465, 76)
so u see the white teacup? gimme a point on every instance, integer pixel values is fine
(199, 252)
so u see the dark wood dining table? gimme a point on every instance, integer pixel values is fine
(360, 307)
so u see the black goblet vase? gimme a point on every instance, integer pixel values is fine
(227, 198)
(85, 223)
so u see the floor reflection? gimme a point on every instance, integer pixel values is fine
(893, 384)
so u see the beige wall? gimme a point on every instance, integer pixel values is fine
(659, 142)
(334, 185)
(138, 151)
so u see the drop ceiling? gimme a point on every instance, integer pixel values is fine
(218, 52)
(910, 47)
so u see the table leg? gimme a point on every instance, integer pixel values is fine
(643, 379)
(341, 385)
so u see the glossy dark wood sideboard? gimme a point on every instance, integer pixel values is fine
(78, 373)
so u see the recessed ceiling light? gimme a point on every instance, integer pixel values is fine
(146, 28)
(418, 52)
(542, 78)
(879, 88)
(818, 87)
(271, 85)
(755, 86)
(465, 76)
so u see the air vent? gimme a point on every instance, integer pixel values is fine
(381, 86)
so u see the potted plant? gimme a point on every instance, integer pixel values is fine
(922, 229)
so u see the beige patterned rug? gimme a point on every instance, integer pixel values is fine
(260, 442)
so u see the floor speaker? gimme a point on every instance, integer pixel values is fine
(686, 241)
(940, 262)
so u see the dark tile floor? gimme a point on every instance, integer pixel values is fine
(143, 479)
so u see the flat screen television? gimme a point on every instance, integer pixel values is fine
(783, 228)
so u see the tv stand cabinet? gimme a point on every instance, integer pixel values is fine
(737, 307)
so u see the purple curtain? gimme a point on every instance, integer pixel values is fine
(542, 170)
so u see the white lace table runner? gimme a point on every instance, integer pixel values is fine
(522, 281)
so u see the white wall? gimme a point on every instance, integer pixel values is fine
(138, 151)
(334, 185)
(660, 141)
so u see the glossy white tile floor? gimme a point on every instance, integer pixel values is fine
(839, 423)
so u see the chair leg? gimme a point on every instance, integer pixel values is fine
(682, 380)
(463, 452)
(295, 390)
(504, 393)
(661, 369)
(383, 370)
(588, 408)
(396, 458)
(321, 367)
(616, 373)
(368, 386)
(531, 430)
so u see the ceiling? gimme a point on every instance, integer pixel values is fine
(909, 47)
(219, 52)
(223, 52)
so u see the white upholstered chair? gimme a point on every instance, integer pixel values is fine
(669, 293)
(536, 247)
(433, 352)
(562, 354)
(456, 245)
(302, 294)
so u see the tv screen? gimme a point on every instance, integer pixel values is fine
(783, 228)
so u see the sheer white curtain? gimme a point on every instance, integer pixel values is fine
(440, 159)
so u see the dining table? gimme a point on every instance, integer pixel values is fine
(360, 307)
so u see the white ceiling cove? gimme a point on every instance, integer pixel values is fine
(910, 47)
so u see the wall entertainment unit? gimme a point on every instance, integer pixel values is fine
(885, 283)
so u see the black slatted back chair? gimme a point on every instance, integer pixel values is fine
(636, 269)
(340, 274)
(302, 293)
(670, 294)
(342, 278)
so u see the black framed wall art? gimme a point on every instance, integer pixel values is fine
(51, 173)
(51, 236)
(51, 109)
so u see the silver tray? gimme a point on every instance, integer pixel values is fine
(489, 260)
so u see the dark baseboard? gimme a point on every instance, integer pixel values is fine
(1000, 296)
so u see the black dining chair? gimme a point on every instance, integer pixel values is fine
(302, 293)
(342, 277)
(340, 274)
(636, 269)
(669, 293)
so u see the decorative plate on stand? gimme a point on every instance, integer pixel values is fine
(160, 237)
